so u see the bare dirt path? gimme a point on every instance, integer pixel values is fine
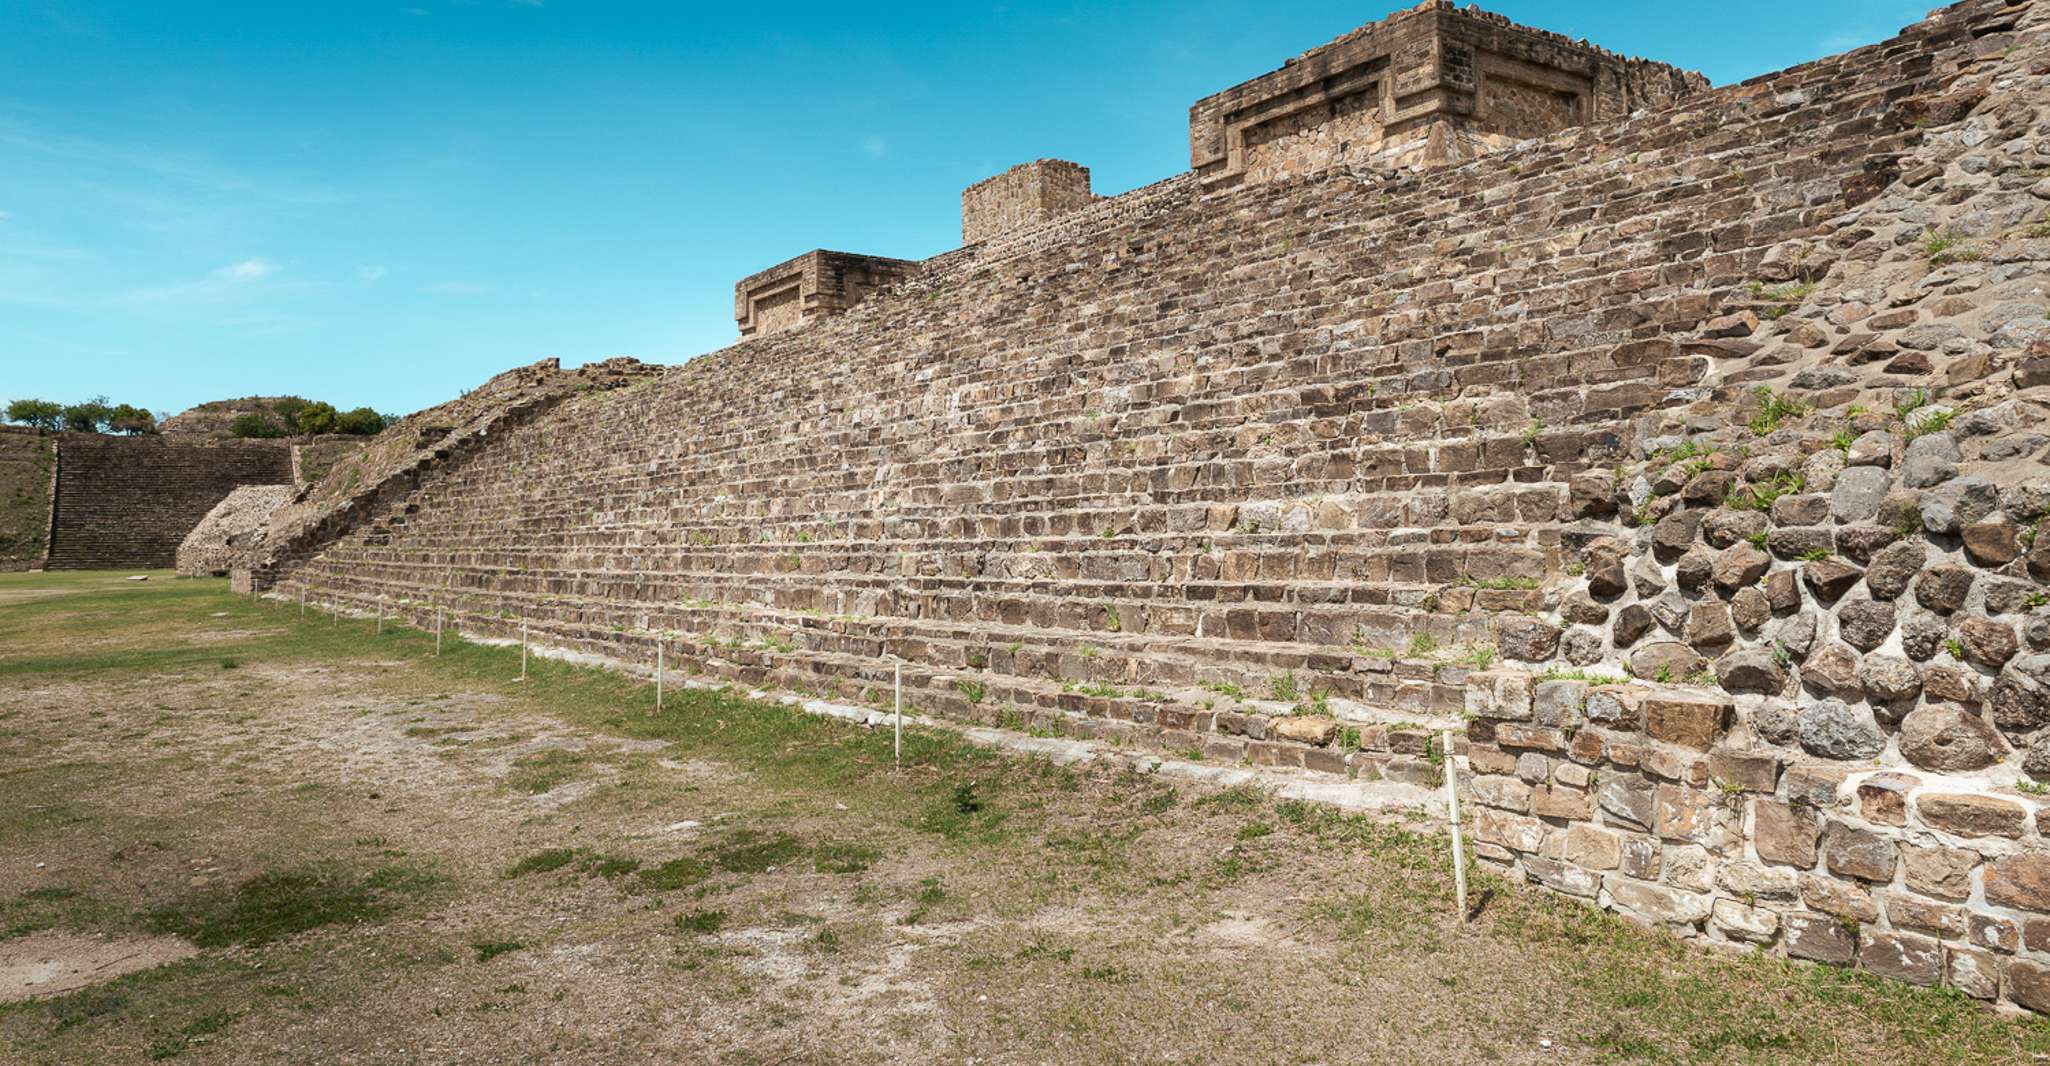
(305, 842)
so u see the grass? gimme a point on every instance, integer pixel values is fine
(1760, 496)
(1069, 899)
(1499, 584)
(1774, 411)
(490, 949)
(272, 906)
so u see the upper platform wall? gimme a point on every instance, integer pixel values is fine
(1430, 85)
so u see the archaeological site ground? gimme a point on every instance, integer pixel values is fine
(1652, 469)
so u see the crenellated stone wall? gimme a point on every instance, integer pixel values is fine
(1296, 473)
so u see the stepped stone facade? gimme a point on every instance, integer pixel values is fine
(28, 470)
(1688, 461)
(128, 502)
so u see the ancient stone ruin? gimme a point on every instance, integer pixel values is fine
(236, 526)
(1680, 448)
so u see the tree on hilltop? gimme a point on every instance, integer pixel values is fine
(42, 414)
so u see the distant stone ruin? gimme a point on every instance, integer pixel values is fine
(234, 528)
(1681, 449)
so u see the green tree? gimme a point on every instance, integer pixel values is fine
(131, 420)
(317, 418)
(361, 422)
(256, 425)
(287, 409)
(41, 414)
(91, 416)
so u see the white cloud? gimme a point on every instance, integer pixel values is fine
(455, 288)
(246, 270)
(875, 146)
(4, 216)
(371, 273)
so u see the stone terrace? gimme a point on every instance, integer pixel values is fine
(1286, 429)
(1262, 473)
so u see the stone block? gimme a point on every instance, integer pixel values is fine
(1785, 835)
(1692, 723)
(2020, 881)
(1657, 903)
(1859, 853)
(1972, 816)
(1820, 938)
(1737, 921)
(1917, 960)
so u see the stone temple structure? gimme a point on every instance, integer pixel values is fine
(1682, 450)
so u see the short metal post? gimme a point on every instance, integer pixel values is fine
(523, 647)
(437, 630)
(1458, 844)
(380, 618)
(302, 603)
(900, 717)
(658, 675)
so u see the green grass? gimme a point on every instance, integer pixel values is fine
(674, 874)
(1642, 996)
(1774, 411)
(752, 852)
(541, 862)
(700, 923)
(490, 949)
(284, 903)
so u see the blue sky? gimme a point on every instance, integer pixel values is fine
(384, 203)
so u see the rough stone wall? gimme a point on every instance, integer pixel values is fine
(28, 462)
(1276, 473)
(127, 502)
(1428, 85)
(236, 526)
(357, 494)
(814, 285)
(1023, 196)
(1791, 690)
(312, 459)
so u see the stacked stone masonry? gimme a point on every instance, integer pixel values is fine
(128, 502)
(28, 468)
(1023, 196)
(1297, 472)
(811, 286)
(1430, 85)
(234, 528)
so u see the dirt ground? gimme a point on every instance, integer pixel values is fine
(231, 836)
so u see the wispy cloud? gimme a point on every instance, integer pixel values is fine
(371, 273)
(246, 271)
(875, 147)
(104, 156)
(455, 288)
(4, 216)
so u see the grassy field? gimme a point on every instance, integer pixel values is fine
(302, 841)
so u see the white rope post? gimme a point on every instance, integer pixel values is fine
(1458, 844)
(900, 717)
(380, 618)
(658, 674)
(437, 629)
(302, 603)
(523, 647)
